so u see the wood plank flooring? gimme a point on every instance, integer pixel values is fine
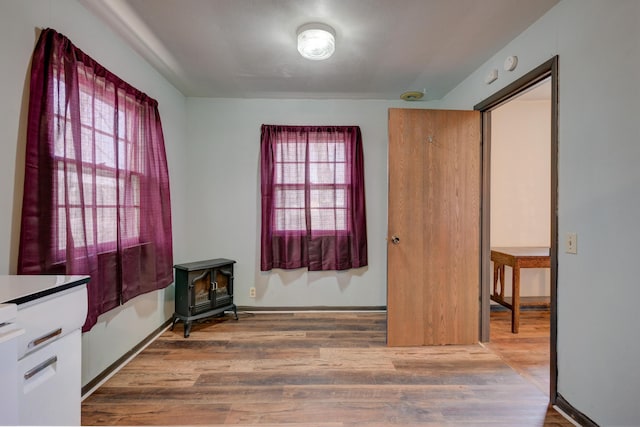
(527, 352)
(315, 369)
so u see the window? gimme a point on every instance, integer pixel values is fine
(327, 181)
(96, 193)
(111, 168)
(313, 198)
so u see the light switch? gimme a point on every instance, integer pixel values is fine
(571, 243)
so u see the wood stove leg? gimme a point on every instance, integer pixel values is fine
(176, 319)
(187, 328)
(235, 312)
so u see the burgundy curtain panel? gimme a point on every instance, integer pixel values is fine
(313, 198)
(96, 192)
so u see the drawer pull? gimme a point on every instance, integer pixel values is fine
(44, 365)
(44, 338)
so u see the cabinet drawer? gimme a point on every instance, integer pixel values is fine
(49, 383)
(48, 319)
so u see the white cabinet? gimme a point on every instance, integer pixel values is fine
(51, 317)
(47, 356)
(9, 334)
(49, 383)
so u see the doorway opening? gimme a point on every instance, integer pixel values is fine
(519, 205)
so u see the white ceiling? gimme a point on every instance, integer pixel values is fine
(247, 48)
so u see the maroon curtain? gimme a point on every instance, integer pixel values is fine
(313, 204)
(96, 191)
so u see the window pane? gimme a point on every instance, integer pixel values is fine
(340, 153)
(326, 152)
(107, 225)
(86, 108)
(59, 95)
(87, 184)
(290, 152)
(328, 219)
(290, 173)
(341, 198)
(130, 222)
(123, 155)
(78, 227)
(129, 190)
(290, 219)
(328, 198)
(62, 229)
(321, 173)
(68, 146)
(58, 138)
(123, 131)
(72, 186)
(327, 173)
(105, 114)
(135, 189)
(106, 191)
(89, 227)
(87, 144)
(80, 223)
(135, 157)
(321, 152)
(286, 198)
(105, 150)
(341, 173)
(60, 182)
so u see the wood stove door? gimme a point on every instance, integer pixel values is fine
(223, 284)
(202, 291)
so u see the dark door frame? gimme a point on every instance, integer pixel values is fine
(542, 72)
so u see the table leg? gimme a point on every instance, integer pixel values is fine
(515, 298)
(498, 279)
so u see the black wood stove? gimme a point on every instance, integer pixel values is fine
(203, 289)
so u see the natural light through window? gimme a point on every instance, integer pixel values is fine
(110, 177)
(328, 186)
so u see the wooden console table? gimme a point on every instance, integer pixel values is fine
(516, 258)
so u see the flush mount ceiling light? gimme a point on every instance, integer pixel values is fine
(316, 41)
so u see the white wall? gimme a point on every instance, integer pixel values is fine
(121, 329)
(224, 194)
(521, 184)
(599, 152)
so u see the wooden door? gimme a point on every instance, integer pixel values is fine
(433, 242)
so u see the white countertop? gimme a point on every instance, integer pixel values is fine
(20, 289)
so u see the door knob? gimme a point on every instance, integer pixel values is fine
(395, 239)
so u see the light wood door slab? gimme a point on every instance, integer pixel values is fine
(433, 270)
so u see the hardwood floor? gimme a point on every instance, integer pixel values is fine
(316, 369)
(527, 351)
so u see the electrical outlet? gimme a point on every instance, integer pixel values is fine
(252, 292)
(571, 243)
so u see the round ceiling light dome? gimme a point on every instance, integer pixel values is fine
(316, 41)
